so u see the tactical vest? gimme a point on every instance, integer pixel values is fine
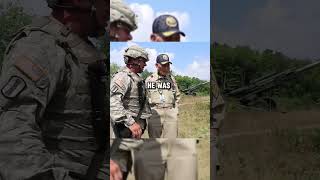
(66, 124)
(134, 97)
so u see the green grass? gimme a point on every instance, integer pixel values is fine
(194, 116)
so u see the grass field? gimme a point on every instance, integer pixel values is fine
(194, 114)
(271, 146)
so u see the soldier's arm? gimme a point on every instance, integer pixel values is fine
(29, 77)
(119, 86)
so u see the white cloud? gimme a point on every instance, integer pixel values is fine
(146, 15)
(200, 67)
(183, 18)
(116, 56)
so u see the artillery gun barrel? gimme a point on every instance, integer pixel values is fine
(269, 81)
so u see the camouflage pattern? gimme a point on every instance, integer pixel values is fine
(217, 116)
(164, 104)
(157, 159)
(124, 98)
(46, 128)
(122, 13)
(135, 52)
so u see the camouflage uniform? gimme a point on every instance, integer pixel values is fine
(125, 99)
(217, 115)
(157, 159)
(45, 107)
(164, 104)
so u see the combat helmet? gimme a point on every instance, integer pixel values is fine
(64, 4)
(120, 12)
(135, 52)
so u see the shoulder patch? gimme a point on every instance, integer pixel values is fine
(30, 69)
(14, 87)
(121, 81)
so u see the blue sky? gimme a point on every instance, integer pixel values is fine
(194, 14)
(289, 26)
(188, 58)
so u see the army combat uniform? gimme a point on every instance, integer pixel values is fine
(157, 159)
(46, 129)
(217, 115)
(127, 96)
(164, 104)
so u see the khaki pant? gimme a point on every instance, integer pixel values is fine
(163, 123)
(166, 159)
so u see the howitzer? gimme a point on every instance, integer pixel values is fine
(192, 90)
(252, 94)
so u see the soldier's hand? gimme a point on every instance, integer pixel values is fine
(136, 130)
(115, 172)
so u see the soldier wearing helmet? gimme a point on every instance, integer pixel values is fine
(128, 106)
(47, 129)
(122, 21)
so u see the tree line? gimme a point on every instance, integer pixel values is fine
(12, 18)
(236, 67)
(184, 82)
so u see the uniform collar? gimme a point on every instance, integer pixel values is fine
(158, 76)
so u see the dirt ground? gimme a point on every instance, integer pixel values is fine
(270, 146)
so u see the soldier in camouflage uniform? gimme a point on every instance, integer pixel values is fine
(165, 28)
(163, 96)
(129, 108)
(217, 115)
(152, 159)
(46, 129)
(122, 21)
